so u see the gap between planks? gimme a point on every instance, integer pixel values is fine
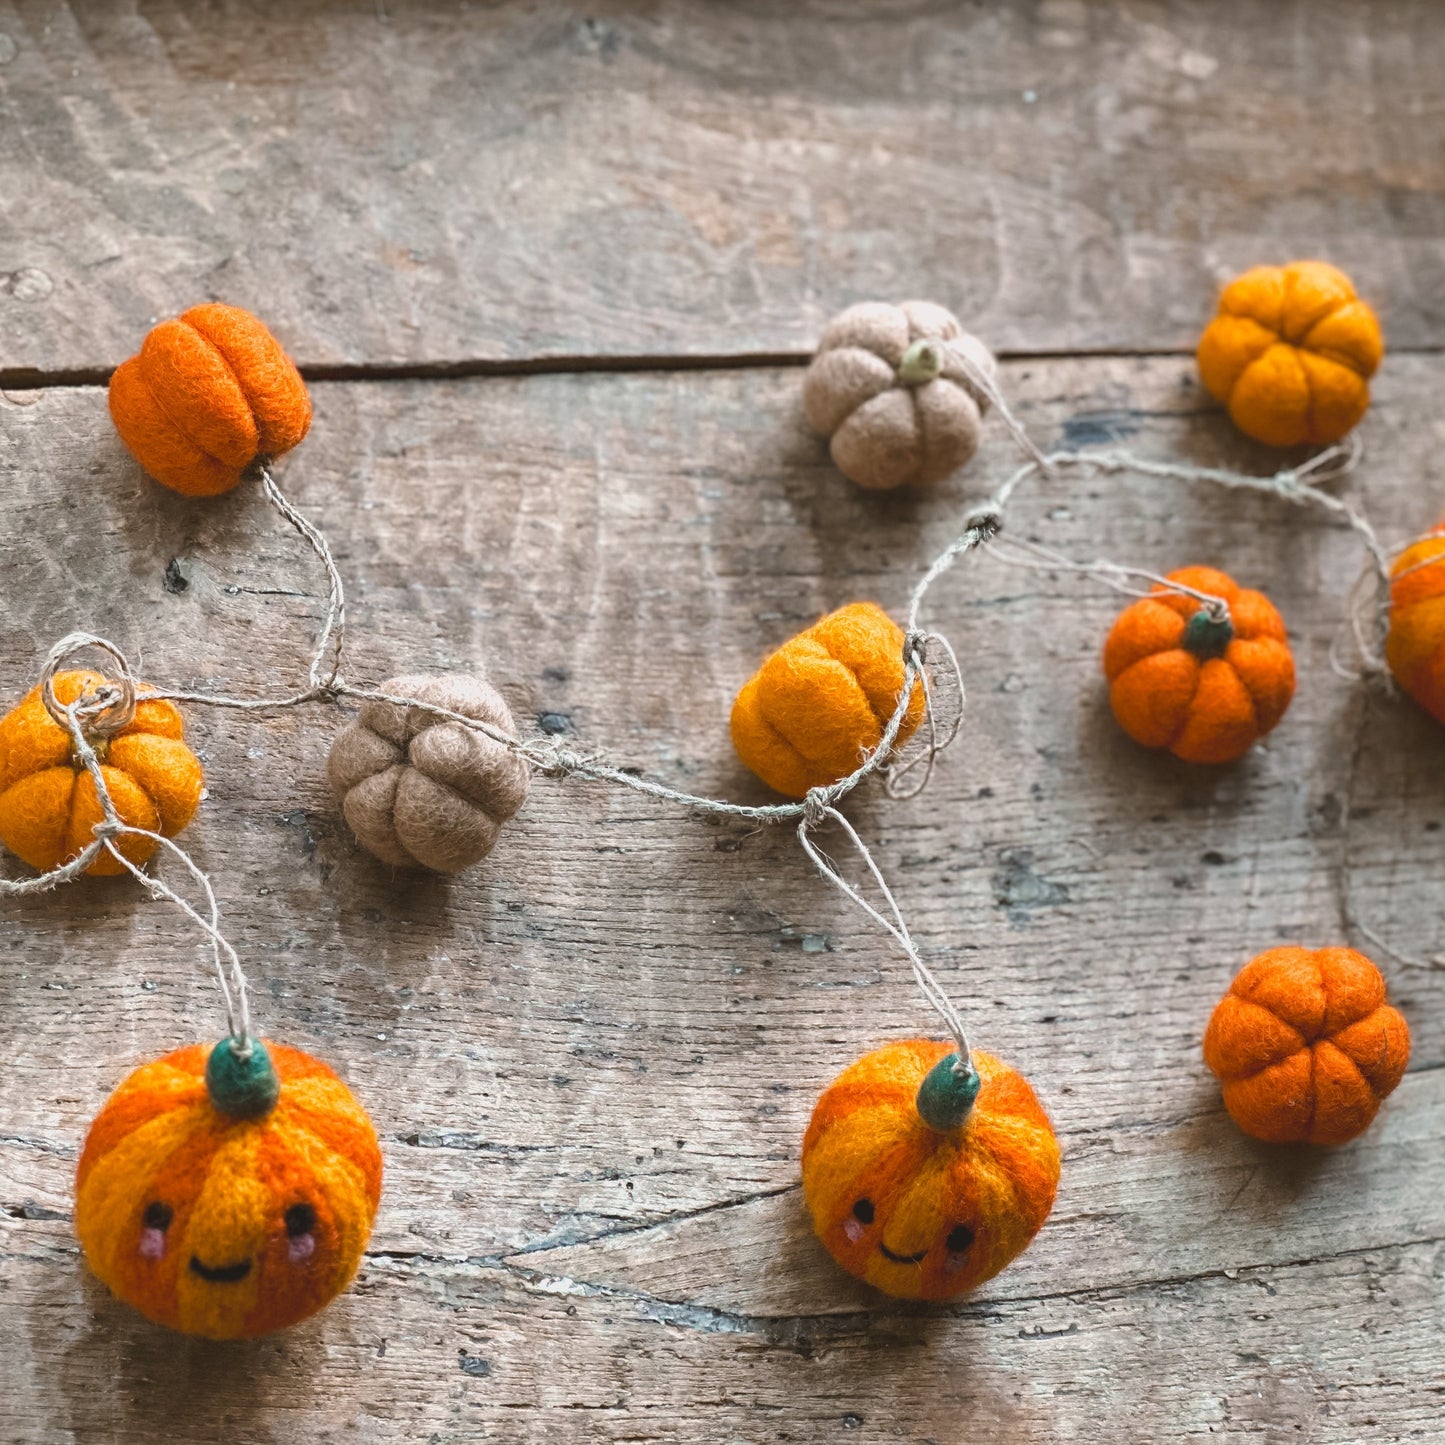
(32, 379)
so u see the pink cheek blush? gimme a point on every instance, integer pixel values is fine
(854, 1230)
(300, 1249)
(152, 1243)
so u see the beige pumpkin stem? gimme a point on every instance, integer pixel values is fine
(922, 362)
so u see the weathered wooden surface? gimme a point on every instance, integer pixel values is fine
(399, 184)
(591, 1062)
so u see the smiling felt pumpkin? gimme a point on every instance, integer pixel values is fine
(1415, 647)
(48, 804)
(1205, 687)
(924, 1179)
(208, 392)
(228, 1197)
(816, 706)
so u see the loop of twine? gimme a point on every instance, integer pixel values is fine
(103, 711)
(938, 738)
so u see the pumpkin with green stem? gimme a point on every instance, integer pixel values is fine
(228, 1192)
(925, 1176)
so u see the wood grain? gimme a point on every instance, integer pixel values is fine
(591, 1061)
(415, 185)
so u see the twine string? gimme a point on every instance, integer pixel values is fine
(987, 383)
(324, 671)
(1021, 552)
(820, 812)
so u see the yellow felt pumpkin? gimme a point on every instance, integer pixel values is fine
(1291, 353)
(48, 803)
(228, 1196)
(926, 1178)
(815, 708)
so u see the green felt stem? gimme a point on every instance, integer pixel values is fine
(921, 362)
(1206, 635)
(946, 1095)
(244, 1087)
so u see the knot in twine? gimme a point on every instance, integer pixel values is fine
(101, 711)
(817, 807)
(549, 759)
(986, 520)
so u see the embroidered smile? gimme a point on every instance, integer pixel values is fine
(221, 1273)
(901, 1258)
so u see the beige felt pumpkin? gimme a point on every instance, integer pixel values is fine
(422, 791)
(890, 387)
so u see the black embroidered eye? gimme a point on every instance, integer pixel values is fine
(300, 1219)
(959, 1238)
(157, 1216)
(863, 1211)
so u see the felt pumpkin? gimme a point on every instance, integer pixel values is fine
(926, 1179)
(821, 702)
(1306, 1046)
(1291, 353)
(1205, 687)
(48, 802)
(420, 791)
(1415, 647)
(228, 1197)
(208, 393)
(888, 389)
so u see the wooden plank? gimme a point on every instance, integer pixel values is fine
(450, 1351)
(409, 184)
(592, 1060)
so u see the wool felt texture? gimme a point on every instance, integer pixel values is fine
(920, 1213)
(1180, 683)
(897, 414)
(220, 1226)
(1415, 645)
(1306, 1046)
(208, 393)
(821, 702)
(419, 791)
(1291, 353)
(48, 804)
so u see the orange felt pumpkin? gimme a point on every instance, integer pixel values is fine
(1205, 687)
(48, 803)
(1291, 353)
(925, 1179)
(227, 1197)
(821, 702)
(1415, 647)
(208, 393)
(1306, 1046)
